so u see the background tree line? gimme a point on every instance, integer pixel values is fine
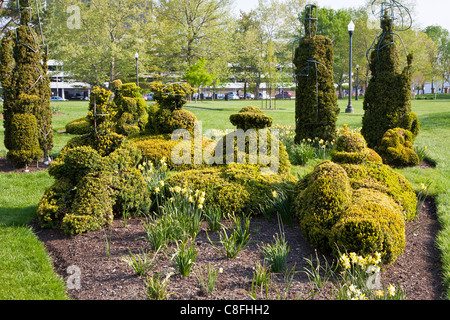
(208, 44)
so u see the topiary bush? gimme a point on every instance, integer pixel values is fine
(24, 144)
(350, 148)
(168, 114)
(316, 108)
(387, 103)
(172, 96)
(90, 188)
(355, 203)
(371, 223)
(26, 87)
(397, 148)
(130, 108)
(251, 118)
(235, 188)
(79, 125)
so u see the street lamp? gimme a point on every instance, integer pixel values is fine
(357, 81)
(136, 55)
(351, 29)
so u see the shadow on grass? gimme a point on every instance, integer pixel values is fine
(17, 216)
(434, 120)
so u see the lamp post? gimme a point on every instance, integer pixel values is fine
(351, 28)
(357, 81)
(136, 55)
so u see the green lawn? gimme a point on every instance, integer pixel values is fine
(25, 269)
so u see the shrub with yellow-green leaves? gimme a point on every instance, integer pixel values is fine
(168, 114)
(251, 118)
(90, 188)
(158, 147)
(79, 125)
(351, 147)
(370, 223)
(24, 143)
(396, 148)
(234, 188)
(131, 109)
(358, 207)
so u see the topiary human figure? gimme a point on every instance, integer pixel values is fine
(131, 108)
(355, 203)
(169, 114)
(24, 80)
(316, 108)
(387, 102)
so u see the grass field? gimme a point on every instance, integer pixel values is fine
(25, 269)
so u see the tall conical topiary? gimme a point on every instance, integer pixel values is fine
(387, 102)
(27, 92)
(316, 108)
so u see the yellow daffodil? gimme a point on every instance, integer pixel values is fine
(379, 293)
(157, 190)
(391, 290)
(274, 193)
(200, 206)
(161, 183)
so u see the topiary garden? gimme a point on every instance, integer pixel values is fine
(148, 166)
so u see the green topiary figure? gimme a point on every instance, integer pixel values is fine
(397, 148)
(131, 108)
(316, 108)
(387, 102)
(169, 114)
(24, 80)
(354, 202)
(253, 143)
(251, 118)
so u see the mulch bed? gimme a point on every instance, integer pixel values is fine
(7, 166)
(417, 270)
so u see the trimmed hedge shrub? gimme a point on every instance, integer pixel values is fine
(234, 188)
(371, 223)
(356, 207)
(387, 103)
(24, 143)
(90, 188)
(251, 118)
(26, 87)
(316, 108)
(158, 147)
(131, 109)
(396, 148)
(79, 125)
(168, 115)
(351, 148)
(172, 96)
(253, 148)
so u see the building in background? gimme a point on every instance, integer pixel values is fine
(64, 87)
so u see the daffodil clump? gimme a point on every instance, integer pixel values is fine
(305, 150)
(361, 278)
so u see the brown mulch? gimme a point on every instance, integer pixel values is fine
(7, 166)
(417, 270)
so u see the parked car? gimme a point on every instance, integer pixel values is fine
(283, 95)
(148, 96)
(219, 96)
(263, 95)
(250, 96)
(57, 99)
(233, 96)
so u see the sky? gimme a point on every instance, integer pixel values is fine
(428, 12)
